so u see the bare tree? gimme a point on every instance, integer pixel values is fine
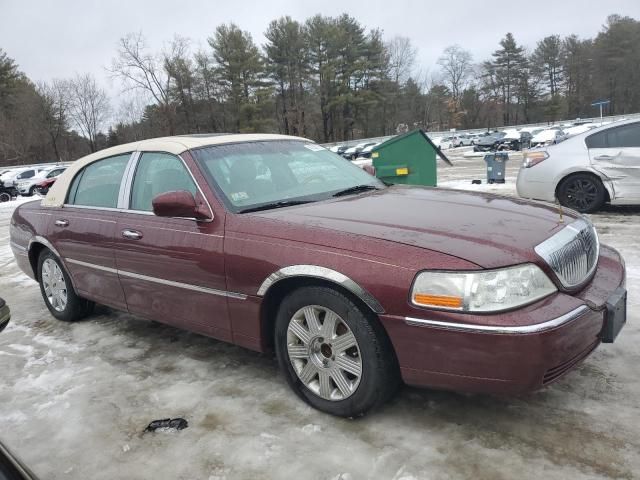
(89, 107)
(179, 66)
(402, 57)
(456, 65)
(54, 108)
(141, 70)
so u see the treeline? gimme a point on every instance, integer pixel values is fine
(327, 78)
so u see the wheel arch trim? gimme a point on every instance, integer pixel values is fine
(43, 241)
(316, 271)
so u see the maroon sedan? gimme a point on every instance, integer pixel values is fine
(273, 242)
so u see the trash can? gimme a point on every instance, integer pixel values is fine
(496, 162)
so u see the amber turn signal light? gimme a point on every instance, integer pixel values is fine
(437, 300)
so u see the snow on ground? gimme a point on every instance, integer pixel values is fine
(76, 397)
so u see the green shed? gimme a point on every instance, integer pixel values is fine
(409, 159)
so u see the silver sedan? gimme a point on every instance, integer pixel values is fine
(587, 170)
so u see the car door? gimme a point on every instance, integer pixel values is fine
(83, 230)
(615, 152)
(171, 269)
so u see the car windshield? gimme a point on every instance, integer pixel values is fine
(271, 174)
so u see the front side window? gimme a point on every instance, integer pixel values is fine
(27, 174)
(263, 173)
(158, 173)
(98, 184)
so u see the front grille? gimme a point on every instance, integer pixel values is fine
(572, 253)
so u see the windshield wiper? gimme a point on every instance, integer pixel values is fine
(356, 189)
(280, 204)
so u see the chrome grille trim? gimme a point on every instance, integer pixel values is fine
(572, 253)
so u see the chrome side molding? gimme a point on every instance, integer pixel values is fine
(315, 271)
(520, 329)
(161, 281)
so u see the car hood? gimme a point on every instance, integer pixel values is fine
(487, 230)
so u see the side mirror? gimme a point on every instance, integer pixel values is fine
(179, 204)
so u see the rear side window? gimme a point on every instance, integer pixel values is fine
(626, 136)
(98, 184)
(158, 173)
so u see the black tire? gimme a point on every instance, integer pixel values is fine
(32, 190)
(76, 307)
(380, 375)
(582, 192)
(5, 197)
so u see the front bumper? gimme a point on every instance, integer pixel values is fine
(499, 356)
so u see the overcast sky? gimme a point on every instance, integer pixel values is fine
(52, 39)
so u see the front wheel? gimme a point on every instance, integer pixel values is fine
(334, 355)
(582, 192)
(57, 290)
(5, 197)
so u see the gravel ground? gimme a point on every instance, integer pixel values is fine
(76, 398)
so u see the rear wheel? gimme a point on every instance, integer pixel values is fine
(582, 192)
(4, 197)
(334, 354)
(57, 290)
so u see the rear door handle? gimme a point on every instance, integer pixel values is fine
(131, 234)
(61, 223)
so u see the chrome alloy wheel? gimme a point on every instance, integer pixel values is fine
(324, 353)
(55, 288)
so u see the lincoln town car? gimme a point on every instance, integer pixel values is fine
(276, 244)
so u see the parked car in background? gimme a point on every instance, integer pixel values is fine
(463, 140)
(339, 149)
(15, 176)
(274, 243)
(550, 136)
(28, 187)
(352, 152)
(587, 170)
(515, 140)
(43, 186)
(489, 143)
(366, 151)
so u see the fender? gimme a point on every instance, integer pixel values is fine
(315, 271)
(46, 243)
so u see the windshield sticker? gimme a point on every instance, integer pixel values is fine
(238, 196)
(314, 147)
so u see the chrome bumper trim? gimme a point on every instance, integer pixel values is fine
(520, 329)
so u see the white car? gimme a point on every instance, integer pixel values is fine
(586, 170)
(13, 177)
(546, 137)
(27, 187)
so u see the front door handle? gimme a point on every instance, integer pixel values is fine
(131, 234)
(61, 223)
(603, 157)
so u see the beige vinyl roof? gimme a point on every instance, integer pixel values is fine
(176, 145)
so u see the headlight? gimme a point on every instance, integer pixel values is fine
(483, 290)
